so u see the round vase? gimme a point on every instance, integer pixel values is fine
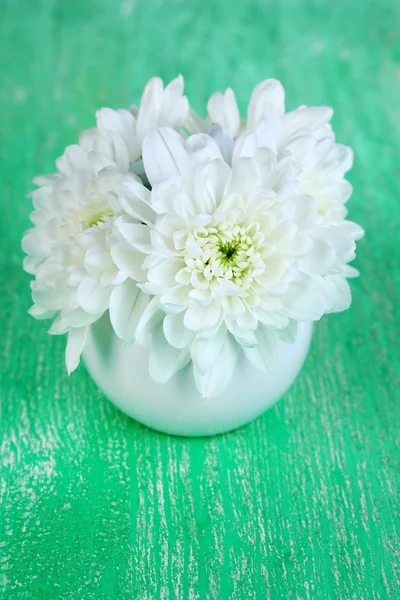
(176, 407)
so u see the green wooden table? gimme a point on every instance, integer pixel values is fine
(304, 502)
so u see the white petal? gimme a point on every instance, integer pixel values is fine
(177, 296)
(31, 241)
(268, 314)
(223, 109)
(301, 147)
(128, 260)
(269, 131)
(47, 179)
(78, 318)
(228, 288)
(150, 107)
(50, 298)
(136, 235)
(119, 128)
(195, 124)
(245, 177)
(202, 148)
(95, 260)
(164, 156)
(223, 140)
(339, 293)
(204, 352)
(340, 239)
(175, 106)
(356, 231)
(39, 313)
(164, 194)
(244, 337)
(199, 317)
(164, 274)
(234, 306)
(137, 201)
(305, 299)
(245, 146)
(30, 264)
(248, 320)
(202, 296)
(127, 304)
(349, 271)
(151, 317)
(213, 382)
(268, 96)
(73, 160)
(176, 334)
(76, 343)
(263, 357)
(210, 183)
(92, 297)
(164, 360)
(310, 117)
(58, 327)
(289, 333)
(319, 260)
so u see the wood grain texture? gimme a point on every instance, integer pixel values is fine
(301, 504)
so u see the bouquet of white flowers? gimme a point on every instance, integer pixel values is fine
(206, 238)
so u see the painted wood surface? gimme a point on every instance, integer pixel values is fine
(304, 502)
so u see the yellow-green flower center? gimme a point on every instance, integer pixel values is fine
(100, 216)
(226, 251)
(229, 249)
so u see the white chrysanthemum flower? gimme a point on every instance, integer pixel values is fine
(79, 264)
(304, 132)
(120, 133)
(215, 244)
(81, 267)
(237, 255)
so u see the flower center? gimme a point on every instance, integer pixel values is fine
(93, 219)
(227, 251)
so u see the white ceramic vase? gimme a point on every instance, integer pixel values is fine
(176, 407)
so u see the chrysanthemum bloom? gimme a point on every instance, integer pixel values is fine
(81, 267)
(215, 244)
(236, 257)
(72, 251)
(305, 133)
(120, 133)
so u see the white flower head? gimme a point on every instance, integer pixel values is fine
(210, 245)
(237, 255)
(77, 259)
(304, 133)
(81, 266)
(120, 133)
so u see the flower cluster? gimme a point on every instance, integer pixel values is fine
(205, 238)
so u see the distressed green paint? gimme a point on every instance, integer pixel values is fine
(303, 503)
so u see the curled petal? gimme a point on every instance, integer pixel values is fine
(213, 382)
(223, 109)
(199, 317)
(204, 352)
(176, 334)
(75, 345)
(127, 304)
(136, 235)
(164, 156)
(267, 97)
(263, 356)
(164, 360)
(92, 296)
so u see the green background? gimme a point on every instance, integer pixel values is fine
(304, 502)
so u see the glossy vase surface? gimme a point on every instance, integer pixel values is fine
(176, 407)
